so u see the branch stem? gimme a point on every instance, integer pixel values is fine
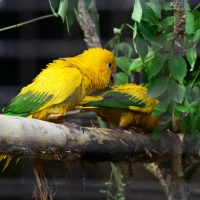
(27, 22)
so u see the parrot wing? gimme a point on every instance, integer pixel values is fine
(42, 94)
(113, 99)
(24, 104)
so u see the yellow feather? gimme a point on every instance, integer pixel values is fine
(1, 157)
(17, 160)
(7, 163)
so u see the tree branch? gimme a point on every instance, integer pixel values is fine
(88, 27)
(156, 170)
(27, 22)
(179, 26)
(24, 137)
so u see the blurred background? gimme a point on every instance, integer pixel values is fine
(24, 51)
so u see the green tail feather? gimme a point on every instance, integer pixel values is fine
(25, 104)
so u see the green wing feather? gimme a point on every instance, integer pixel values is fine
(114, 99)
(25, 104)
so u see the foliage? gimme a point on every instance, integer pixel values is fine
(172, 79)
(66, 10)
(110, 192)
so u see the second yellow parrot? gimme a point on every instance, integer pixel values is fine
(123, 106)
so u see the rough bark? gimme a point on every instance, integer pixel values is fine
(179, 26)
(88, 27)
(179, 188)
(24, 137)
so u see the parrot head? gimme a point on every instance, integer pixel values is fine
(101, 65)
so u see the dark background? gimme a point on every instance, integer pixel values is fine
(24, 51)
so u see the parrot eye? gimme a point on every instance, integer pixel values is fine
(110, 65)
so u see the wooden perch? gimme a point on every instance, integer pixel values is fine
(24, 137)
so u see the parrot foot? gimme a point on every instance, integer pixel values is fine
(125, 131)
(56, 116)
(73, 111)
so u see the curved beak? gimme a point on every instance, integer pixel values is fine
(113, 77)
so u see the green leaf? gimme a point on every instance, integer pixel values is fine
(197, 83)
(182, 108)
(70, 19)
(122, 78)
(137, 11)
(124, 64)
(177, 67)
(87, 4)
(191, 55)
(53, 6)
(196, 37)
(150, 15)
(108, 183)
(193, 107)
(189, 23)
(192, 40)
(176, 91)
(149, 33)
(138, 65)
(167, 6)
(104, 191)
(62, 10)
(158, 87)
(125, 48)
(166, 41)
(196, 14)
(186, 5)
(157, 64)
(155, 7)
(140, 45)
(168, 21)
(160, 108)
(117, 31)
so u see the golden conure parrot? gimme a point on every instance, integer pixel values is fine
(123, 106)
(63, 84)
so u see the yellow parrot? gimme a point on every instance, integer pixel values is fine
(63, 84)
(123, 106)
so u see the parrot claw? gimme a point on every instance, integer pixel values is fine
(54, 117)
(125, 131)
(73, 111)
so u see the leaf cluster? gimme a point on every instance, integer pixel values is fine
(66, 9)
(111, 193)
(171, 78)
